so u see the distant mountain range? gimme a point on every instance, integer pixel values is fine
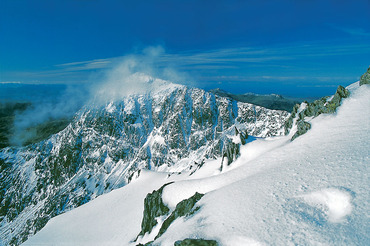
(271, 101)
(41, 131)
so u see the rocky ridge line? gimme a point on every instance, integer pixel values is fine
(302, 113)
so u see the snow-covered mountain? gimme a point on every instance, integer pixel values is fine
(168, 128)
(310, 191)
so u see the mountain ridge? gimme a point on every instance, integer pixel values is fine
(105, 146)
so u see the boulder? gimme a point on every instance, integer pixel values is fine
(153, 208)
(183, 208)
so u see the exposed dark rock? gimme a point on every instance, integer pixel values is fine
(289, 122)
(231, 150)
(197, 166)
(314, 109)
(243, 137)
(334, 103)
(343, 92)
(365, 78)
(183, 208)
(196, 242)
(134, 175)
(302, 128)
(153, 207)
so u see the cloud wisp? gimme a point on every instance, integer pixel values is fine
(43, 110)
(136, 74)
(87, 65)
(131, 74)
(230, 58)
(354, 31)
(274, 60)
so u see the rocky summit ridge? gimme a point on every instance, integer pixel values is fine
(365, 78)
(298, 122)
(170, 128)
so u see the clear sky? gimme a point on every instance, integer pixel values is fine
(289, 47)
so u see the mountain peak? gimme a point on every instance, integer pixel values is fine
(118, 86)
(161, 127)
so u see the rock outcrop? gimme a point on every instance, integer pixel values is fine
(231, 149)
(196, 242)
(153, 208)
(302, 128)
(183, 208)
(365, 78)
(301, 113)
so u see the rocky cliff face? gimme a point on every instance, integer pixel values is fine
(172, 129)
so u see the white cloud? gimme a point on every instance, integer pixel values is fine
(87, 65)
(249, 61)
(10, 82)
(355, 31)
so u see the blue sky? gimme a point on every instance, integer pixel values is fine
(289, 47)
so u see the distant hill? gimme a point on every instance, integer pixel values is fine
(271, 101)
(7, 114)
(46, 108)
(41, 131)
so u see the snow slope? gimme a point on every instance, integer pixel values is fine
(311, 191)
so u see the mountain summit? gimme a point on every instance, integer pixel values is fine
(161, 126)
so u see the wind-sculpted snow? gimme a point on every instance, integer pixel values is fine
(172, 128)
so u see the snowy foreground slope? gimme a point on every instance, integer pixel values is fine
(310, 191)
